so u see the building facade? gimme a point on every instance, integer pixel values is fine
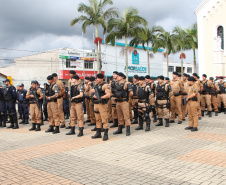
(211, 32)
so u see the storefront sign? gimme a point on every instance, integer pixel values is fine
(64, 74)
(136, 69)
(135, 57)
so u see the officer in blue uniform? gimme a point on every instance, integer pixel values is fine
(10, 99)
(2, 108)
(23, 104)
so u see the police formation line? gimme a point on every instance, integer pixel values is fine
(112, 102)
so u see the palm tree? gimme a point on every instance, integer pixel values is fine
(96, 15)
(180, 39)
(164, 40)
(125, 26)
(146, 37)
(193, 41)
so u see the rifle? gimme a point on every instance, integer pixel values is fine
(36, 98)
(44, 95)
(70, 97)
(96, 93)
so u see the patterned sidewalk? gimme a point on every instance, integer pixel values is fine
(162, 156)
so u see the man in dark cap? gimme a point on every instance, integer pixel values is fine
(221, 94)
(123, 90)
(184, 95)
(192, 105)
(205, 96)
(10, 99)
(34, 96)
(179, 76)
(87, 100)
(52, 94)
(214, 92)
(167, 80)
(76, 111)
(175, 99)
(199, 85)
(110, 118)
(23, 103)
(66, 102)
(162, 101)
(135, 98)
(2, 108)
(103, 90)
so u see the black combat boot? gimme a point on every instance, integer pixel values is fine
(155, 119)
(87, 121)
(115, 124)
(26, 121)
(62, 126)
(57, 130)
(50, 129)
(91, 124)
(194, 129)
(127, 130)
(80, 132)
(72, 132)
(141, 122)
(38, 127)
(94, 129)
(225, 111)
(3, 124)
(188, 128)
(33, 127)
(216, 113)
(119, 131)
(102, 129)
(160, 123)
(167, 123)
(148, 123)
(110, 121)
(98, 134)
(202, 112)
(105, 138)
(171, 121)
(179, 122)
(219, 109)
(0, 123)
(135, 121)
(22, 122)
(210, 114)
(16, 126)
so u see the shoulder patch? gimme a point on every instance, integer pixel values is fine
(108, 86)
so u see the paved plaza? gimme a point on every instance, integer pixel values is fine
(162, 156)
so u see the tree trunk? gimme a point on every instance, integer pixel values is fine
(167, 63)
(194, 61)
(126, 58)
(148, 59)
(98, 56)
(182, 68)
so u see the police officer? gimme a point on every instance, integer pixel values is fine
(167, 80)
(184, 95)
(34, 95)
(52, 106)
(214, 91)
(162, 101)
(110, 118)
(18, 103)
(45, 102)
(175, 99)
(152, 99)
(221, 94)
(144, 94)
(101, 90)
(87, 100)
(60, 100)
(23, 104)
(135, 98)
(10, 99)
(192, 105)
(76, 111)
(66, 102)
(123, 90)
(2, 108)
(205, 96)
(199, 85)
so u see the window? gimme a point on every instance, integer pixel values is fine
(178, 69)
(189, 69)
(220, 33)
(68, 63)
(88, 64)
(171, 68)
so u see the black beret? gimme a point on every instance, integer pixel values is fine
(141, 78)
(34, 82)
(191, 79)
(179, 75)
(161, 77)
(185, 74)
(188, 75)
(64, 83)
(6, 80)
(50, 77)
(54, 75)
(221, 77)
(116, 72)
(92, 78)
(147, 77)
(167, 78)
(121, 74)
(136, 77)
(198, 77)
(21, 85)
(195, 74)
(72, 72)
(87, 78)
(211, 78)
(76, 77)
(175, 73)
(100, 75)
(204, 75)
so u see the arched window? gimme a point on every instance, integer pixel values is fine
(220, 33)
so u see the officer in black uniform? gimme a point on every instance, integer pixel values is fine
(46, 86)
(66, 102)
(10, 99)
(23, 104)
(135, 85)
(2, 108)
(18, 103)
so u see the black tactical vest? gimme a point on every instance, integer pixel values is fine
(142, 94)
(101, 92)
(51, 92)
(213, 91)
(75, 92)
(206, 88)
(120, 92)
(222, 89)
(33, 92)
(161, 94)
(134, 87)
(2, 99)
(8, 95)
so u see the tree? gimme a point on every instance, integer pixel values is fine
(146, 37)
(192, 34)
(96, 15)
(125, 26)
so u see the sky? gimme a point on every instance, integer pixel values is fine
(31, 26)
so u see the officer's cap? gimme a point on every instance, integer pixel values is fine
(121, 74)
(141, 78)
(186, 75)
(147, 77)
(175, 73)
(204, 75)
(87, 78)
(6, 80)
(92, 78)
(161, 77)
(50, 77)
(116, 72)
(21, 85)
(211, 78)
(136, 77)
(54, 75)
(34, 82)
(72, 72)
(191, 79)
(221, 77)
(100, 75)
(195, 74)
(76, 77)
(179, 75)
(167, 78)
